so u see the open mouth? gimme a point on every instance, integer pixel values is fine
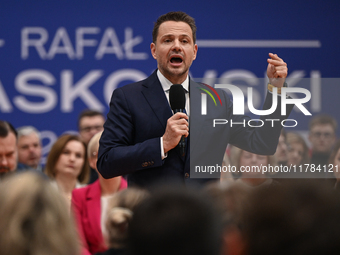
(176, 60)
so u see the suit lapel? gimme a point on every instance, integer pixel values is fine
(154, 95)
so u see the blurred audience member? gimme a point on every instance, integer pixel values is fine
(29, 149)
(334, 164)
(89, 203)
(119, 215)
(251, 167)
(8, 148)
(281, 156)
(282, 149)
(67, 164)
(34, 218)
(180, 222)
(299, 218)
(322, 136)
(226, 176)
(90, 122)
(230, 200)
(298, 154)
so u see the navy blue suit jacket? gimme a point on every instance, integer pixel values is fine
(130, 143)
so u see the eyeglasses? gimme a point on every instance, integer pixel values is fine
(88, 129)
(327, 135)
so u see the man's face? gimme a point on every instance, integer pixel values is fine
(89, 126)
(29, 150)
(8, 153)
(322, 138)
(174, 50)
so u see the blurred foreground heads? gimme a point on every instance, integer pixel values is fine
(34, 218)
(175, 222)
(119, 215)
(296, 218)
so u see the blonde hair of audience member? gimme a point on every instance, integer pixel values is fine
(120, 213)
(297, 150)
(60, 164)
(108, 186)
(241, 159)
(34, 218)
(334, 160)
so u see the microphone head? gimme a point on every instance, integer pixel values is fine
(177, 97)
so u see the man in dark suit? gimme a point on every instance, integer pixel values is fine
(141, 133)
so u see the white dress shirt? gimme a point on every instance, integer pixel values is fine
(166, 84)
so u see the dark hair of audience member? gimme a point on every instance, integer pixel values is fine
(296, 218)
(55, 153)
(5, 128)
(120, 213)
(323, 119)
(34, 218)
(89, 113)
(230, 199)
(175, 222)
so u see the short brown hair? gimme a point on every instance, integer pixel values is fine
(55, 153)
(323, 119)
(174, 16)
(89, 113)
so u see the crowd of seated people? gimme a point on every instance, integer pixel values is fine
(248, 212)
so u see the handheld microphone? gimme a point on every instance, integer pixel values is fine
(177, 103)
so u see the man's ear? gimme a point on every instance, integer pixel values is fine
(195, 51)
(153, 50)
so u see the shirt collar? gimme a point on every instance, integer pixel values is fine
(166, 84)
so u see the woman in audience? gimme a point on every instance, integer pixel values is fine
(297, 150)
(67, 164)
(298, 156)
(334, 164)
(251, 167)
(89, 204)
(34, 218)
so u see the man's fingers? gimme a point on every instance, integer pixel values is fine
(179, 115)
(274, 56)
(277, 62)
